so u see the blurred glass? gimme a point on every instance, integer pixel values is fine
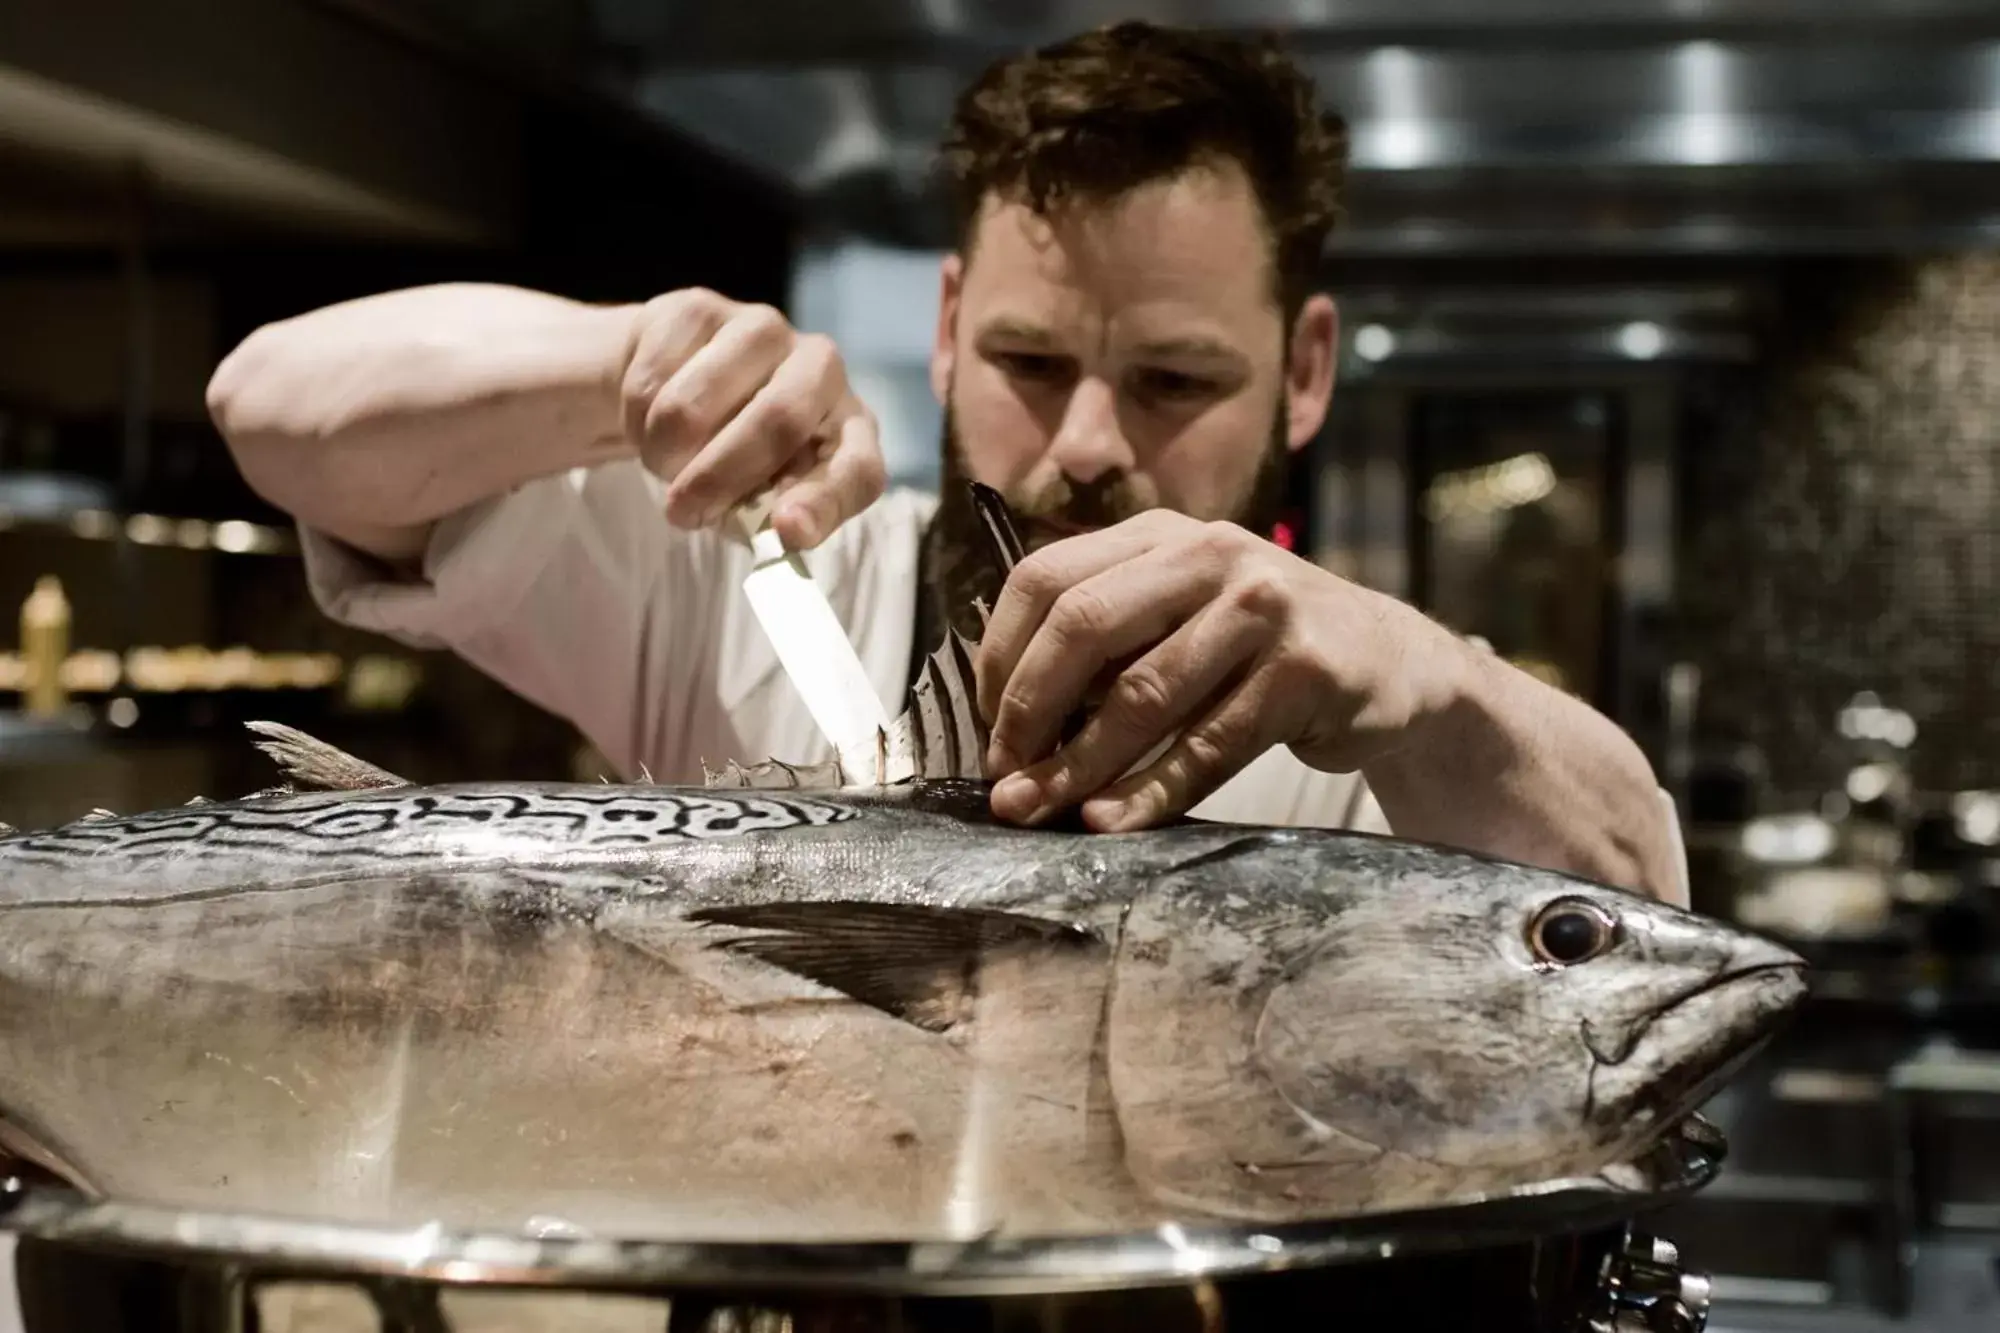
(880, 305)
(1512, 531)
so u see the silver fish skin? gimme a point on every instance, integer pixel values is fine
(678, 1012)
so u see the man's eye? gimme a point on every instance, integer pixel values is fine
(1029, 366)
(1174, 384)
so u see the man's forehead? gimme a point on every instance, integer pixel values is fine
(1194, 240)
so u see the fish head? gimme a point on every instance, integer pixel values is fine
(1521, 1021)
(1408, 1025)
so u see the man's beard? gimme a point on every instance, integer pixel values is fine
(959, 565)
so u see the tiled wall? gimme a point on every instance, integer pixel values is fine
(1841, 525)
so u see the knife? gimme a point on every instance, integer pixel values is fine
(811, 645)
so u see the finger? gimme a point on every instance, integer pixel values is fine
(673, 328)
(711, 387)
(1041, 578)
(1203, 757)
(780, 421)
(848, 477)
(1187, 672)
(1125, 609)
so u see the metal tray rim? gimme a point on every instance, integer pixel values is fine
(276, 1245)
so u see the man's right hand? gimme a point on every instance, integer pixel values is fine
(372, 419)
(724, 400)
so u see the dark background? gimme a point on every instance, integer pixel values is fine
(1713, 289)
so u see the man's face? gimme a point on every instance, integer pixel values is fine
(1125, 355)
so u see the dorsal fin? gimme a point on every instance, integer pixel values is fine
(946, 736)
(940, 734)
(310, 764)
(774, 775)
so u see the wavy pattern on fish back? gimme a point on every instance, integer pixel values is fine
(404, 825)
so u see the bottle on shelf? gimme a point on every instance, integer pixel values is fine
(45, 618)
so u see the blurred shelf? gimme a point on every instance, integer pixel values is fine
(38, 739)
(152, 674)
(229, 536)
(1770, 1291)
(1829, 1192)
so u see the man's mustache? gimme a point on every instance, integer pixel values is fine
(1063, 503)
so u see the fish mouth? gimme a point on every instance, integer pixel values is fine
(1716, 1026)
(1705, 989)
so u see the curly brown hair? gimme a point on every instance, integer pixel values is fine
(1097, 115)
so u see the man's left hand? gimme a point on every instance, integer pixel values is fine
(1202, 632)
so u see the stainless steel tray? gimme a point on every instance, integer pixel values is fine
(275, 1245)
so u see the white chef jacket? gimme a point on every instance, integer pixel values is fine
(574, 592)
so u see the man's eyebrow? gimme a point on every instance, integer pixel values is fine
(1018, 331)
(1204, 349)
(1024, 333)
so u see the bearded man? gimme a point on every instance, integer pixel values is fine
(1129, 348)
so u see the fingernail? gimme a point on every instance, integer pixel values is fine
(799, 521)
(1105, 816)
(1121, 814)
(1017, 798)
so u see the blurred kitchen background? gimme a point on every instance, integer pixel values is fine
(1671, 366)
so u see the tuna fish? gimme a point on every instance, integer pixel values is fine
(828, 1014)
(828, 1006)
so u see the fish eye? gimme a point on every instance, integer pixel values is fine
(1570, 931)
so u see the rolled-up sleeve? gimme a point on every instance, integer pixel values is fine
(1682, 889)
(555, 590)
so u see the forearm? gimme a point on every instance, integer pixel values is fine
(1507, 766)
(374, 418)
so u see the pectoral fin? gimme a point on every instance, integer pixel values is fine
(917, 963)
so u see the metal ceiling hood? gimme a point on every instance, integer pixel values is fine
(239, 113)
(778, 33)
(1479, 126)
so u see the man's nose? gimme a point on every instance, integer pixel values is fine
(1089, 443)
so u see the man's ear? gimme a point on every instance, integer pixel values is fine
(944, 348)
(1309, 368)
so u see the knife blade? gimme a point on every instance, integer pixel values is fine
(811, 645)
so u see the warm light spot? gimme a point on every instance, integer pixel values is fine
(1494, 488)
(149, 529)
(235, 536)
